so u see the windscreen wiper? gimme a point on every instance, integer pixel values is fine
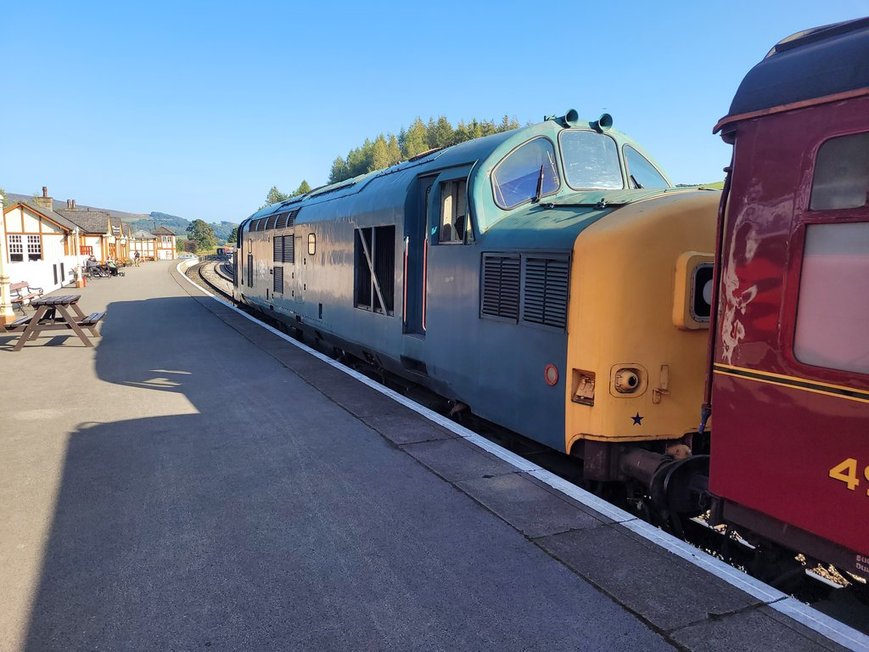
(539, 190)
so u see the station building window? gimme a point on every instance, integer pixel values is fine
(34, 247)
(16, 248)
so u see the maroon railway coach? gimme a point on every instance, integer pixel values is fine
(790, 354)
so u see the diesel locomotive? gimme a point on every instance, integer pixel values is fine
(550, 278)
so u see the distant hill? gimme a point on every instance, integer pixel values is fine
(178, 225)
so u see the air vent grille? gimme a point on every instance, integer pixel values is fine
(501, 286)
(278, 280)
(546, 291)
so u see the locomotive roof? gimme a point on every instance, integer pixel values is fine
(814, 63)
(466, 152)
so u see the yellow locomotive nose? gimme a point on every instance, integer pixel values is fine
(637, 333)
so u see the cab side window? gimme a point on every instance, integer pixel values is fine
(526, 172)
(454, 212)
(641, 172)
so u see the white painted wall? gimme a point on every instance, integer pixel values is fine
(41, 273)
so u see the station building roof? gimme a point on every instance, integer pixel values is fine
(96, 222)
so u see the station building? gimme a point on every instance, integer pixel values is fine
(47, 247)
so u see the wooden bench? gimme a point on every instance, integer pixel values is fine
(19, 324)
(92, 319)
(23, 294)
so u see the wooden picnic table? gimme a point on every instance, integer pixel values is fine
(60, 312)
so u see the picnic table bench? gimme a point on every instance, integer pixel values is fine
(55, 313)
(23, 293)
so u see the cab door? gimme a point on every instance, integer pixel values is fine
(415, 258)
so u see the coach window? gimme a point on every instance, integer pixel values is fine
(641, 172)
(841, 173)
(833, 307)
(591, 160)
(527, 172)
(312, 244)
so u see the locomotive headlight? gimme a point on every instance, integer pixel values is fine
(692, 301)
(701, 294)
(626, 380)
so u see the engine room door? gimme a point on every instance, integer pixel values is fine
(415, 254)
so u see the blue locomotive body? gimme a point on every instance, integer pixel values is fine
(454, 268)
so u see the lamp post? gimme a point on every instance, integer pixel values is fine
(79, 277)
(6, 314)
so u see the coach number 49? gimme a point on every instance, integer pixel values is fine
(847, 472)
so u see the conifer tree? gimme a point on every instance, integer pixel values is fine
(303, 189)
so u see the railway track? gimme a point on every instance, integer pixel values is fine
(822, 590)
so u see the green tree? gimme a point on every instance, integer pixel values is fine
(389, 149)
(339, 170)
(393, 149)
(232, 238)
(379, 154)
(202, 235)
(414, 140)
(440, 133)
(275, 196)
(303, 189)
(508, 123)
(359, 160)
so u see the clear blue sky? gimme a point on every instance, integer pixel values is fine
(197, 109)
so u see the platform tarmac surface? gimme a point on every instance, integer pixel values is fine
(195, 481)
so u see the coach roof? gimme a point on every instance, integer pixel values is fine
(824, 61)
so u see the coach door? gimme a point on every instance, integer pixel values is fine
(415, 258)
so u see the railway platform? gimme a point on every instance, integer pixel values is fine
(196, 480)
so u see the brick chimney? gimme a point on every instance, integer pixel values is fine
(70, 204)
(45, 201)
